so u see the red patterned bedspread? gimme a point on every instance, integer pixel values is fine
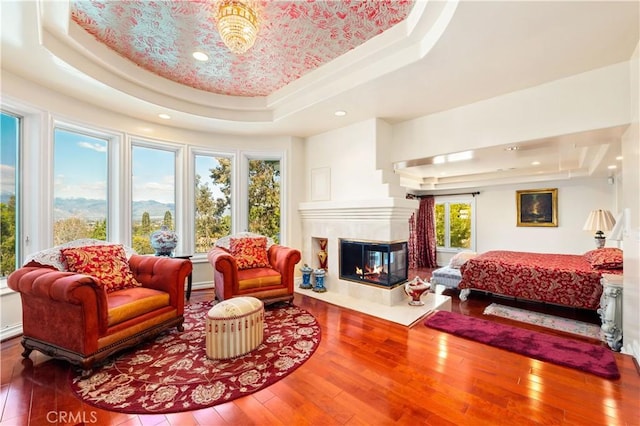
(563, 279)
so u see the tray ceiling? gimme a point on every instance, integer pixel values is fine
(295, 37)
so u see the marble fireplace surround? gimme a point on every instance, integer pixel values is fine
(375, 220)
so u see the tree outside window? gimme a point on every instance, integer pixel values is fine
(264, 198)
(10, 126)
(212, 200)
(454, 225)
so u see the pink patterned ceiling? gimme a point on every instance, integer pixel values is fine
(295, 37)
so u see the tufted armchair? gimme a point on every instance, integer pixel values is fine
(248, 264)
(85, 318)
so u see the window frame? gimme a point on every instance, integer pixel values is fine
(191, 196)
(18, 249)
(112, 178)
(34, 166)
(244, 187)
(179, 182)
(457, 199)
(34, 207)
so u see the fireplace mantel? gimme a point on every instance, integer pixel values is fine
(380, 209)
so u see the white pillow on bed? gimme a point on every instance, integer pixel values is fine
(459, 258)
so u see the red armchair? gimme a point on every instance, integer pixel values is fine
(272, 282)
(72, 316)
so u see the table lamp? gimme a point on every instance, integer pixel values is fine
(599, 221)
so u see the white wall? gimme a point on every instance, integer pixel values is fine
(631, 200)
(350, 153)
(496, 215)
(591, 100)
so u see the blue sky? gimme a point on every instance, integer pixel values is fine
(8, 155)
(80, 168)
(154, 173)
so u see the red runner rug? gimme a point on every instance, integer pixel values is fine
(585, 357)
(172, 373)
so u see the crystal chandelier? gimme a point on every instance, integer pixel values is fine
(237, 25)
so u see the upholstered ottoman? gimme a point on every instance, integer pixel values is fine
(446, 276)
(234, 327)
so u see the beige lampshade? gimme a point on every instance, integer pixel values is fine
(599, 221)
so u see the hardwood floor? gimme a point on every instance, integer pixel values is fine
(366, 371)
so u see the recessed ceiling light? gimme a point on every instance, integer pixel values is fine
(535, 163)
(200, 56)
(340, 113)
(619, 157)
(164, 116)
(612, 167)
(512, 148)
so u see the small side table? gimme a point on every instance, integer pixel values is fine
(611, 310)
(190, 276)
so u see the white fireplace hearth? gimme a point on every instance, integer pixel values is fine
(399, 312)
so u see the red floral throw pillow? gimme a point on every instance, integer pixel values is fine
(605, 258)
(250, 252)
(107, 263)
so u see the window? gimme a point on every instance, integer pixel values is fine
(153, 194)
(9, 169)
(80, 186)
(454, 224)
(263, 197)
(212, 200)
(97, 183)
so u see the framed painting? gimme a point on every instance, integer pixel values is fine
(537, 207)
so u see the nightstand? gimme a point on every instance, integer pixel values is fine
(611, 310)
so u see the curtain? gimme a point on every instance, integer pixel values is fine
(413, 240)
(425, 234)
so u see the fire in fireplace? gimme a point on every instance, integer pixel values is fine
(383, 264)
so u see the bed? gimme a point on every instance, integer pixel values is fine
(564, 279)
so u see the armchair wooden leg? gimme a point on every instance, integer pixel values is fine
(27, 351)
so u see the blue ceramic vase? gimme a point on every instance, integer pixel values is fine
(164, 241)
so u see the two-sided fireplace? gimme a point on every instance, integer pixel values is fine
(378, 263)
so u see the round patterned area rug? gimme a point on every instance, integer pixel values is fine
(172, 373)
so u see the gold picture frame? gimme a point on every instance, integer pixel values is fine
(537, 207)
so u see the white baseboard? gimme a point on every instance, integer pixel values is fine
(10, 332)
(203, 285)
(632, 349)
